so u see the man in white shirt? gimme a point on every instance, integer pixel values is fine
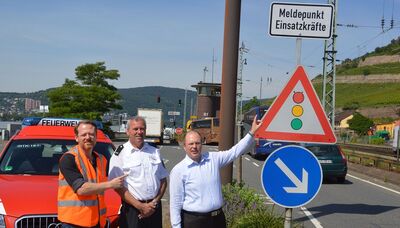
(195, 189)
(146, 181)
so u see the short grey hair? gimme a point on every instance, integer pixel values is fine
(136, 119)
(191, 132)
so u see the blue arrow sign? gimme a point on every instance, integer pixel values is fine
(291, 176)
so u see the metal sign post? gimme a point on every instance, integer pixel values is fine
(291, 177)
(308, 21)
(398, 141)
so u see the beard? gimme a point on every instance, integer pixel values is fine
(88, 145)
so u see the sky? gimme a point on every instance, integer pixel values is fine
(169, 43)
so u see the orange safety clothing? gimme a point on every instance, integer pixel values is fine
(83, 210)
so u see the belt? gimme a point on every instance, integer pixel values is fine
(146, 201)
(206, 214)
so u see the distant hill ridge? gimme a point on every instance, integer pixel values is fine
(132, 99)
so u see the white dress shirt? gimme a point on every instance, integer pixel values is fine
(145, 170)
(196, 186)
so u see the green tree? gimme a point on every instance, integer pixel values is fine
(253, 102)
(89, 96)
(360, 123)
(366, 72)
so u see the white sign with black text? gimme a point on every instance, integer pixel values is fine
(301, 20)
(173, 113)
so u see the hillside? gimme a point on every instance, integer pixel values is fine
(133, 98)
(369, 83)
(379, 100)
(383, 60)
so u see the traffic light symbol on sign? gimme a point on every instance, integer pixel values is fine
(297, 111)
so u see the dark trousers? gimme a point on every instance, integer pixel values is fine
(129, 217)
(197, 220)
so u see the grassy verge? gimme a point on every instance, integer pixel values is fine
(244, 208)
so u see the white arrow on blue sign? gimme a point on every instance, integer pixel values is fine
(291, 176)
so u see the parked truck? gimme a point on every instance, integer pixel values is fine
(154, 124)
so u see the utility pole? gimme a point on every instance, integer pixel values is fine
(212, 70)
(229, 81)
(329, 71)
(204, 73)
(260, 88)
(184, 111)
(191, 106)
(242, 61)
(239, 104)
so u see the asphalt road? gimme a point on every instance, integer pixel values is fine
(359, 202)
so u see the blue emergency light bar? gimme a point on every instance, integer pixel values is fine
(44, 121)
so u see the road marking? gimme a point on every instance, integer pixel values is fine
(314, 221)
(247, 158)
(165, 161)
(377, 185)
(256, 164)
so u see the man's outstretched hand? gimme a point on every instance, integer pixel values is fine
(255, 125)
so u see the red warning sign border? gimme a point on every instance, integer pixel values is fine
(327, 137)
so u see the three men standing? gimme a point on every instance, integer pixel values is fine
(195, 192)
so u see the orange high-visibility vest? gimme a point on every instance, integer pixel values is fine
(83, 210)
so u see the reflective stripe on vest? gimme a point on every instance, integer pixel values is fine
(103, 211)
(84, 169)
(86, 203)
(63, 183)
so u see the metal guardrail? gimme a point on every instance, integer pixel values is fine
(368, 148)
(369, 157)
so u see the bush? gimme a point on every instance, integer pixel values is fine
(378, 141)
(239, 200)
(366, 72)
(258, 219)
(245, 208)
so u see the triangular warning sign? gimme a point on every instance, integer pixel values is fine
(296, 114)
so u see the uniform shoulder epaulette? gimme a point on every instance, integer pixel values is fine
(118, 150)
